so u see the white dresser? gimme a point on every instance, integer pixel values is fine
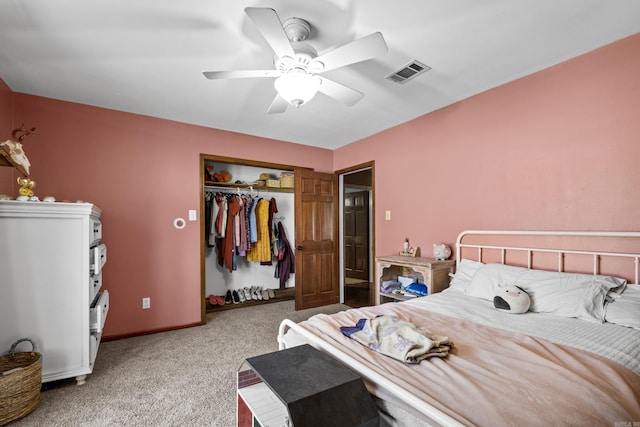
(51, 259)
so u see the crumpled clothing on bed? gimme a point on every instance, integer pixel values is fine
(398, 339)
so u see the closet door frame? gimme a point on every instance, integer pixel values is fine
(204, 158)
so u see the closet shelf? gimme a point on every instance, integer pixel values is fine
(227, 185)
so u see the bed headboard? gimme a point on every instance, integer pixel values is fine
(598, 252)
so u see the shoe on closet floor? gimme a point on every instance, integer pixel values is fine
(236, 297)
(242, 296)
(265, 295)
(247, 294)
(228, 298)
(272, 294)
(256, 292)
(216, 300)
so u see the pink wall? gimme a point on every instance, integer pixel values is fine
(555, 150)
(7, 174)
(559, 149)
(143, 173)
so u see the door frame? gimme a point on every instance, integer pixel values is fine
(201, 168)
(372, 226)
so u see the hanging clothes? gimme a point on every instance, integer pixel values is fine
(229, 246)
(261, 249)
(236, 224)
(286, 258)
(253, 224)
(220, 227)
(273, 209)
(208, 219)
(214, 231)
(221, 218)
(243, 220)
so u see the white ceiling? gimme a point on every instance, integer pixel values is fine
(147, 56)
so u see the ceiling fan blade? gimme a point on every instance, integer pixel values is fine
(279, 105)
(362, 49)
(241, 74)
(340, 92)
(270, 27)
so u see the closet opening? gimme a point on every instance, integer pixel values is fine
(247, 233)
(357, 234)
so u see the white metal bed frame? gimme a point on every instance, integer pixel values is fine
(421, 406)
(596, 255)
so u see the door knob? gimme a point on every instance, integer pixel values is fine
(299, 248)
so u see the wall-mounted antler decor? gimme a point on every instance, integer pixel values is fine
(25, 132)
(11, 152)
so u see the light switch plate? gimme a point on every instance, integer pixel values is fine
(192, 215)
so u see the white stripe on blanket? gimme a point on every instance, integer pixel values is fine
(398, 339)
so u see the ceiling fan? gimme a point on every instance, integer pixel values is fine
(297, 64)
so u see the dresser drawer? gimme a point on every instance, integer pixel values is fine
(99, 310)
(94, 343)
(95, 231)
(98, 258)
(95, 283)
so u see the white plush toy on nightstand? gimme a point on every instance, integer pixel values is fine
(441, 252)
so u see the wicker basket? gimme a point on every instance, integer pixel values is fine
(287, 181)
(274, 183)
(20, 382)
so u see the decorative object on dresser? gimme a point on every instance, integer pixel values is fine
(26, 187)
(51, 259)
(11, 152)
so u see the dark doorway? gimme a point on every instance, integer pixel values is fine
(356, 235)
(357, 242)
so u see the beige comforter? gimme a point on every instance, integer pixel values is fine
(495, 377)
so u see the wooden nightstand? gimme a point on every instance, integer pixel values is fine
(433, 273)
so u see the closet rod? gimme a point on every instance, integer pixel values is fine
(225, 189)
(239, 190)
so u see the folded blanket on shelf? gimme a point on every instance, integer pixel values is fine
(389, 286)
(398, 339)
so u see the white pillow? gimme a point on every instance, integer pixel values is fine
(465, 270)
(484, 283)
(563, 294)
(625, 308)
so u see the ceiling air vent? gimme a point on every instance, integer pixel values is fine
(408, 72)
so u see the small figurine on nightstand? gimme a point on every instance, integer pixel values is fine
(407, 250)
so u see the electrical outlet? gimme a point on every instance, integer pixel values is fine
(192, 215)
(146, 303)
(387, 215)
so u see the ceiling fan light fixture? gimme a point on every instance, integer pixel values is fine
(297, 88)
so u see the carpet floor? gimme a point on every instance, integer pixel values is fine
(185, 377)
